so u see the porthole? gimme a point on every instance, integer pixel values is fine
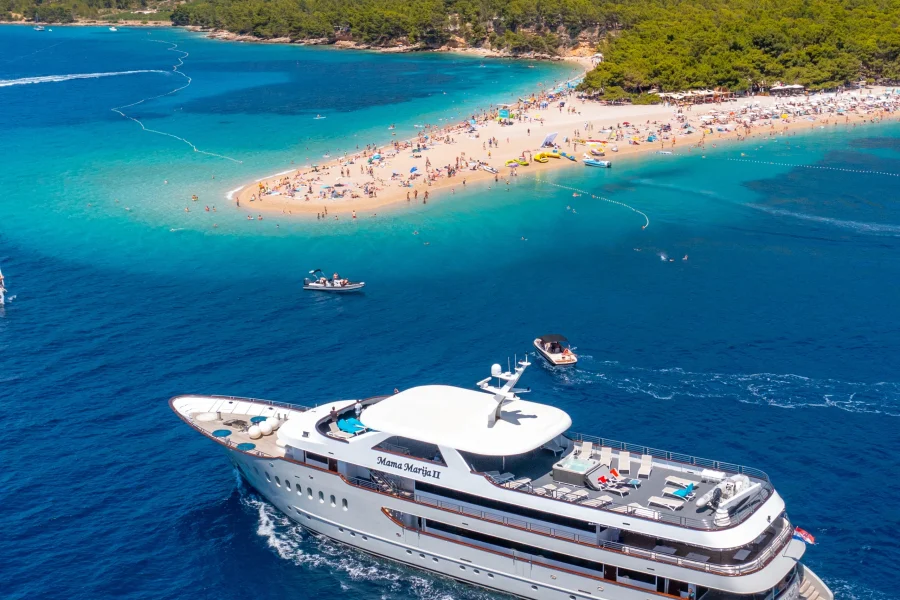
(534, 587)
(462, 567)
(269, 479)
(277, 481)
(341, 529)
(476, 571)
(333, 501)
(321, 497)
(365, 538)
(309, 492)
(299, 491)
(344, 503)
(571, 596)
(421, 555)
(287, 484)
(491, 575)
(434, 559)
(352, 534)
(409, 551)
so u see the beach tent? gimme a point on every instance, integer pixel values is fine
(548, 141)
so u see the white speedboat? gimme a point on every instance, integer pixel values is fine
(593, 162)
(113, 29)
(555, 349)
(335, 284)
(2, 290)
(489, 489)
(489, 169)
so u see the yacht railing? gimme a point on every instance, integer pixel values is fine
(287, 405)
(695, 461)
(754, 565)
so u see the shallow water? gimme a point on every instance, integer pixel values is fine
(774, 345)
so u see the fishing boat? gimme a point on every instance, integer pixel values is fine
(335, 284)
(593, 162)
(555, 349)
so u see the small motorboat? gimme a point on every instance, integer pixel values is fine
(113, 29)
(555, 349)
(489, 169)
(335, 284)
(593, 162)
(39, 28)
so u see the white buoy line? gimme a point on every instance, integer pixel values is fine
(773, 163)
(596, 197)
(173, 47)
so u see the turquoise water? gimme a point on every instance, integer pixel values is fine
(775, 344)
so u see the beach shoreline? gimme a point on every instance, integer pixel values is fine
(410, 177)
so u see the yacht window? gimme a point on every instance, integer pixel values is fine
(333, 501)
(287, 484)
(321, 498)
(411, 448)
(309, 492)
(636, 576)
(316, 459)
(516, 546)
(506, 507)
(344, 503)
(277, 481)
(269, 479)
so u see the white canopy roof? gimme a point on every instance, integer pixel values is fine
(458, 418)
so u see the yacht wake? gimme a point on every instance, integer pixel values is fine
(857, 226)
(772, 389)
(292, 543)
(173, 47)
(71, 77)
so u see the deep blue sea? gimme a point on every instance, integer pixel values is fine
(775, 345)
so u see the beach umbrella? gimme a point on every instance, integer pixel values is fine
(414, 169)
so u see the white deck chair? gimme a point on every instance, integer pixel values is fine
(577, 496)
(553, 447)
(618, 490)
(561, 492)
(586, 449)
(670, 491)
(624, 462)
(545, 490)
(646, 466)
(334, 431)
(598, 502)
(605, 456)
(499, 477)
(670, 503)
(517, 483)
(680, 481)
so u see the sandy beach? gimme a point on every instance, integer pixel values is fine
(442, 161)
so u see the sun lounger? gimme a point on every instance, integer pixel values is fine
(585, 450)
(562, 492)
(605, 456)
(680, 481)
(545, 490)
(576, 496)
(618, 490)
(335, 432)
(499, 477)
(553, 447)
(598, 502)
(517, 483)
(680, 493)
(624, 461)
(646, 466)
(670, 503)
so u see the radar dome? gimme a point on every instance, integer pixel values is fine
(496, 370)
(265, 428)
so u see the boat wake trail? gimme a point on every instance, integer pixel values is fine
(58, 78)
(290, 542)
(858, 226)
(173, 47)
(595, 197)
(773, 389)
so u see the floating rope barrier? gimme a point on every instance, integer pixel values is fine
(596, 197)
(773, 163)
(173, 47)
(821, 167)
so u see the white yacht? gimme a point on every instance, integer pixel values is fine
(493, 490)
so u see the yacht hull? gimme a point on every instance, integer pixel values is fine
(326, 504)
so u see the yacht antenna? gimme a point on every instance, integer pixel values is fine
(506, 393)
